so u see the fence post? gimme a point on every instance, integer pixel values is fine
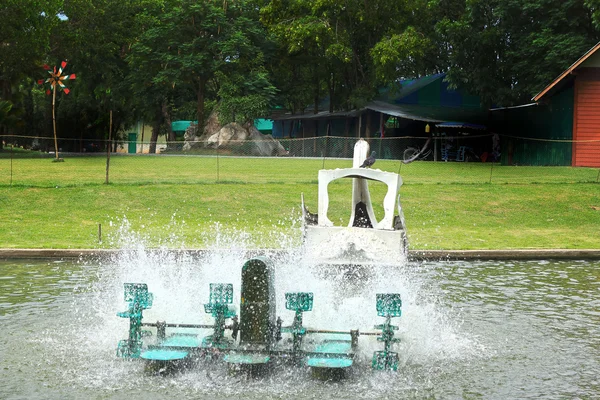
(491, 170)
(108, 147)
(598, 177)
(325, 145)
(323, 152)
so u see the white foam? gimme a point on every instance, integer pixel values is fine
(343, 300)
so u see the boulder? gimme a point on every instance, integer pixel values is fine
(212, 125)
(190, 138)
(230, 135)
(246, 140)
(241, 139)
(194, 139)
(265, 145)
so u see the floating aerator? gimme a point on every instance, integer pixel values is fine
(261, 338)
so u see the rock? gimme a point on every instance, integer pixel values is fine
(212, 125)
(228, 136)
(265, 145)
(246, 140)
(190, 138)
(241, 139)
(193, 139)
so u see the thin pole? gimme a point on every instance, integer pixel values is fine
(11, 163)
(108, 147)
(54, 121)
(142, 151)
(303, 141)
(217, 149)
(381, 133)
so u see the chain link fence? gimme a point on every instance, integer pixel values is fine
(28, 161)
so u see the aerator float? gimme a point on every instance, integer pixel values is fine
(258, 338)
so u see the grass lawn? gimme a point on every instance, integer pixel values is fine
(179, 201)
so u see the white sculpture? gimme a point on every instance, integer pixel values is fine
(364, 238)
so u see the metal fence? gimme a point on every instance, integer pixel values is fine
(28, 161)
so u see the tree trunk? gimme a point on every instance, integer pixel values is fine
(200, 106)
(316, 83)
(155, 131)
(167, 117)
(368, 125)
(316, 109)
(5, 95)
(331, 92)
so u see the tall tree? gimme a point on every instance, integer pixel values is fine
(96, 36)
(508, 50)
(204, 45)
(25, 27)
(353, 46)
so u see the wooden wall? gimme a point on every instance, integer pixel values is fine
(586, 118)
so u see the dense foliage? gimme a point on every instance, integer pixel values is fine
(162, 60)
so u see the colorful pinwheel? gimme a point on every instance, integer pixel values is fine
(56, 83)
(56, 78)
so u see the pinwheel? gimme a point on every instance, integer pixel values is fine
(56, 83)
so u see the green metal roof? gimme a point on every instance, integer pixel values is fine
(407, 87)
(263, 124)
(181, 126)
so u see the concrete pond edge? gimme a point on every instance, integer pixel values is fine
(416, 255)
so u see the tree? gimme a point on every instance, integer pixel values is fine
(209, 45)
(25, 27)
(508, 50)
(350, 48)
(96, 36)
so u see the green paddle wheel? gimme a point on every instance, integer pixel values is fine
(329, 353)
(221, 308)
(299, 302)
(388, 305)
(139, 300)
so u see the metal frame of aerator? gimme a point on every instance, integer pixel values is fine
(221, 296)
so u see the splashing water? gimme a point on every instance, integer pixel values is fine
(83, 350)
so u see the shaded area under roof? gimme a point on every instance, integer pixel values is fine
(465, 125)
(414, 112)
(428, 99)
(513, 107)
(432, 113)
(319, 115)
(401, 111)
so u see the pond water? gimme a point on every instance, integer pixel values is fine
(493, 330)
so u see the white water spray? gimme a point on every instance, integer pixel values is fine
(343, 300)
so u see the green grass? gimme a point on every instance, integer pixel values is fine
(78, 171)
(177, 201)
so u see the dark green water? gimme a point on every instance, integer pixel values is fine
(489, 330)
